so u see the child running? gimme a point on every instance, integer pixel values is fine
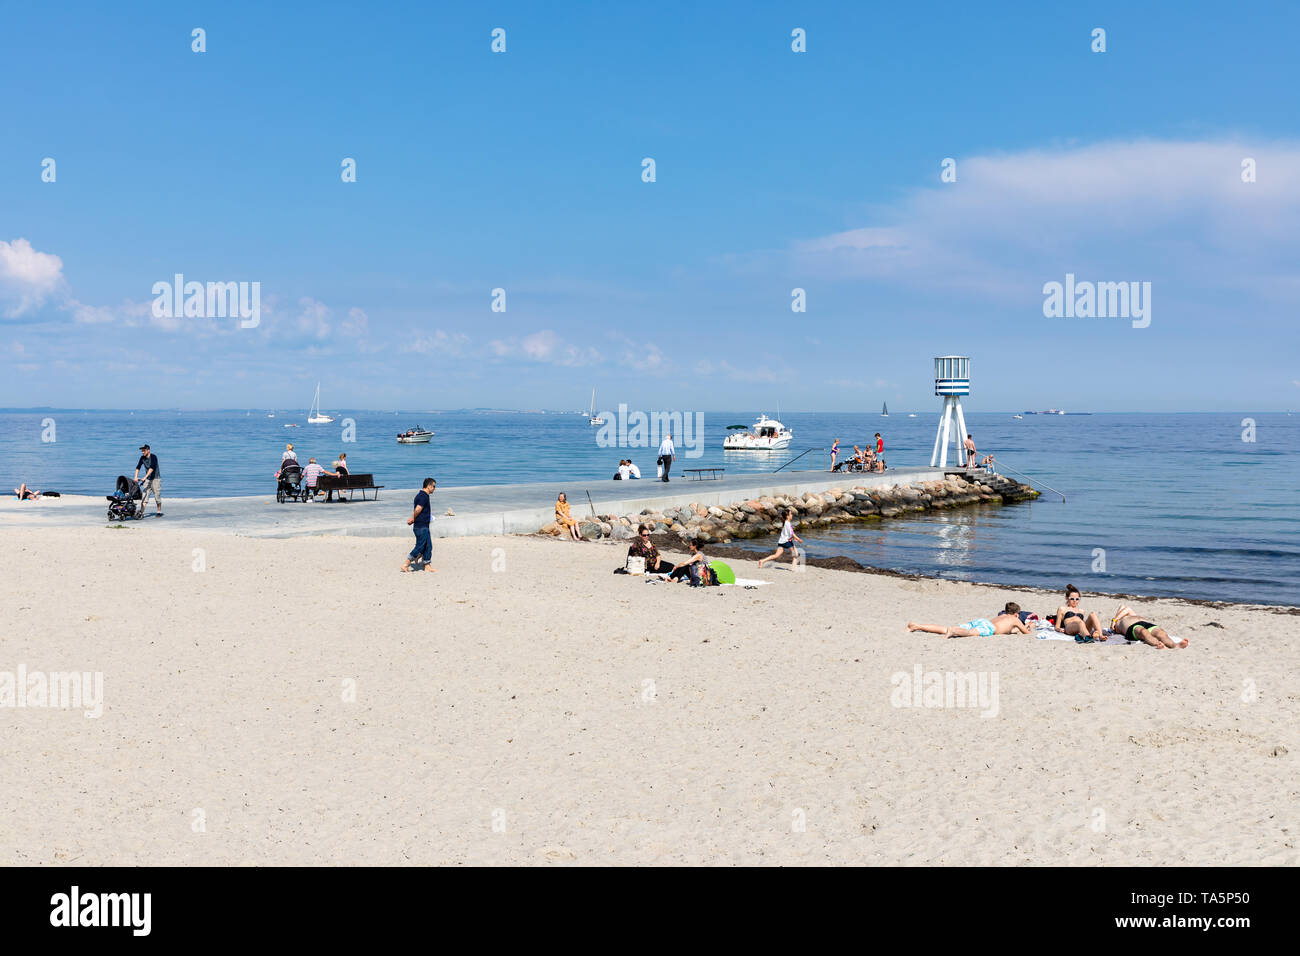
(787, 540)
(1008, 622)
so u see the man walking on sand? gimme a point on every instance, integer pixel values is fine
(152, 480)
(666, 453)
(419, 521)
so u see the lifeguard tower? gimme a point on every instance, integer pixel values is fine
(952, 381)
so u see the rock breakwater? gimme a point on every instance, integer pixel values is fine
(760, 517)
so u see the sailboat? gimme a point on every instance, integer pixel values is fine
(592, 417)
(884, 410)
(314, 417)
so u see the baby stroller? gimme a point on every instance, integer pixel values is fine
(289, 485)
(122, 503)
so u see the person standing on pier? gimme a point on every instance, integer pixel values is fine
(835, 452)
(969, 445)
(666, 453)
(419, 522)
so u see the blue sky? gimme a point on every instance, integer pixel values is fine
(775, 170)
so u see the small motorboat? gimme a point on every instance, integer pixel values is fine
(768, 435)
(1021, 417)
(415, 436)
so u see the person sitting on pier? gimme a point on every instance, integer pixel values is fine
(289, 454)
(633, 470)
(643, 547)
(624, 473)
(1133, 627)
(1071, 619)
(311, 475)
(564, 517)
(1008, 622)
(852, 464)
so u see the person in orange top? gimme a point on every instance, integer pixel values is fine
(565, 518)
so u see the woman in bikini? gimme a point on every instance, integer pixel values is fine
(1136, 629)
(1073, 620)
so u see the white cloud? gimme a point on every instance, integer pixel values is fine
(440, 343)
(545, 347)
(313, 318)
(27, 277)
(1113, 211)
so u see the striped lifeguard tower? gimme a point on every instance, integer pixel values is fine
(952, 381)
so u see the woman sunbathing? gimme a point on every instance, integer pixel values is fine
(23, 493)
(1073, 620)
(1136, 629)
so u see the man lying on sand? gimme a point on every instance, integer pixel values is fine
(1008, 622)
(1135, 629)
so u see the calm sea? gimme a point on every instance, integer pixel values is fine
(1156, 504)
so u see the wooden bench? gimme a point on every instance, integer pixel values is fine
(349, 483)
(697, 474)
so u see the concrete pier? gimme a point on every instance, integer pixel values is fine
(479, 509)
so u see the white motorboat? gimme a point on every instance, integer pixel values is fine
(415, 436)
(314, 417)
(767, 435)
(592, 417)
(1021, 417)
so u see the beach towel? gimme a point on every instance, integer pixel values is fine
(1046, 632)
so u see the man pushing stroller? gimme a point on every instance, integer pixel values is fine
(152, 480)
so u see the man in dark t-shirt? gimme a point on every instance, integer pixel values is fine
(152, 480)
(421, 514)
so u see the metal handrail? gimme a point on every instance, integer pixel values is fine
(1002, 464)
(796, 458)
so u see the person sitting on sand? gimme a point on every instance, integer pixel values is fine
(1133, 627)
(787, 539)
(23, 493)
(1071, 619)
(564, 517)
(692, 569)
(643, 547)
(1008, 622)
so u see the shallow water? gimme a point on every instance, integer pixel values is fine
(1177, 504)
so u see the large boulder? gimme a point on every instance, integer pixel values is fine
(621, 532)
(551, 528)
(589, 529)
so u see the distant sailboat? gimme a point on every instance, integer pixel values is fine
(592, 417)
(884, 410)
(314, 417)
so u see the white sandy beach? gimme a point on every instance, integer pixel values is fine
(600, 719)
